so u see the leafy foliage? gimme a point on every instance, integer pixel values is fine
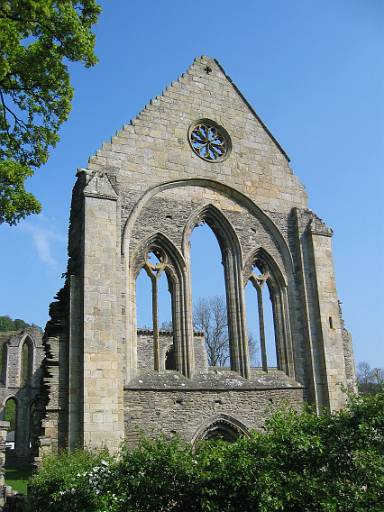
(36, 36)
(67, 482)
(302, 463)
(155, 476)
(8, 325)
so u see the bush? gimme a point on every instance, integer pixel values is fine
(303, 462)
(71, 482)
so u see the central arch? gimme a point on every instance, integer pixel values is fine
(232, 261)
(226, 190)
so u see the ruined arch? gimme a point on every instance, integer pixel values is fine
(277, 284)
(220, 426)
(174, 268)
(218, 222)
(232, 262)
(226, 190)
(27, 347)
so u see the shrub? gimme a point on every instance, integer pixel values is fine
(71, 482)
(158, 475)
(302, 463)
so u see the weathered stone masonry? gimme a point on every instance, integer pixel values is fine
(21, 372)
(197, 153)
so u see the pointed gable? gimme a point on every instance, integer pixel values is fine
(155, 147)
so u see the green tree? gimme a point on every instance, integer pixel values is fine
(20, 324)
(37, 39)
(6, 324)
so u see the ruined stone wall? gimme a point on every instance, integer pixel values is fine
(25, 393)
(145, 191)
(185, 412)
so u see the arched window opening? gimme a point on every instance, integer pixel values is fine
(154, 309)
(222, 427)
(260, 315)
(10, 414)
(3, 362)
(209, 294)
(221, 431)
(26, 362)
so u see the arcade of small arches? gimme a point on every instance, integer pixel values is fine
(159, 259)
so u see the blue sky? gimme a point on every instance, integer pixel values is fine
(313, 71)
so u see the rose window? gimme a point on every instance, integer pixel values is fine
(209, 141)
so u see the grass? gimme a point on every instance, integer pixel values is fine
(18, 478)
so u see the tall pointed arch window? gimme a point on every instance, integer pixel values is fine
(209, 294)
(265, 329)
(26, 362)
(266, 313)
(157, 316)
(231, 265)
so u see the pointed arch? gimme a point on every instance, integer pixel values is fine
(28, 332)
(232, 261)
(226, 190)
(218, 222)
(267, 261)
(160, 241)
(220, 425)
(26, 359)
(278, 289)
(175, 269)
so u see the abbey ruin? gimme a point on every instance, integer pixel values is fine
(197, 153)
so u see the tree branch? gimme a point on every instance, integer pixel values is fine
(18, 121)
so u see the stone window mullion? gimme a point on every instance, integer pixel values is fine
(260, 307)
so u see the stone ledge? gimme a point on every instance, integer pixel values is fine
(214, 379)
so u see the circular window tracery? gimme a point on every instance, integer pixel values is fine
(209, 140)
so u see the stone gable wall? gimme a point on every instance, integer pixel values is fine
(154, 149)
(146, 190)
